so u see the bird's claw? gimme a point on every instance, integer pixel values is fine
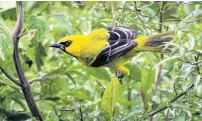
(120, 77)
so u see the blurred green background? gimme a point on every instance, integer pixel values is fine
(67, 85)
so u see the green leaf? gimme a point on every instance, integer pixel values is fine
(53, 74)
(100, 73)
(196, 83)
(135, 72)
(19, 101)
(86, 26)
(191, 42)
(181, 117)
(19, 116)
(189, 17)
(78, 73)
(51, 88)
(9, 83)
(64, 22)
(8, 10)
(37, 31)
(111, 94)
(39, 26)
(9, 14)
(39, 54)
(71, 78)
(147, 80)
(5, 43)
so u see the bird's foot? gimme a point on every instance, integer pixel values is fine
(120, 76)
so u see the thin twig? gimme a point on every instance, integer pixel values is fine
(118, 16)
(196, 63)
(81, 114)
(40, 13)
(172, 20)
(162, 57)
(158, 75)
(160, 30)
(129, 97)
(112, 9)
(145, 16)
(10, 77)
(61, 109)
(37, 79)
(179, 20)
(167, 115)
(168, 104)
(137, 12)
(198, 19)
(22, 34)
(190, 62)
(103, 88)
(183, 60)
(24, 84)
(73, 110)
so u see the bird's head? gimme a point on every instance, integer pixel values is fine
(70, 45)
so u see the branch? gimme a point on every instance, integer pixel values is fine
(24, 84)
(160, 30)
(138, 13)
(197, 19)
(179, 20)
(73, 110)
(158, 74)
(81, 114)
(195, 63)
(22, 34)
(168, 104)
(10, 77)
(172, 20)
(167, 115)
(118, 16)
(161, 65)
(37, 79)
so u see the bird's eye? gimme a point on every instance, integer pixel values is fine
(69, 42)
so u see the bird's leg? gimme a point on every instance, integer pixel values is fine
(120, 76)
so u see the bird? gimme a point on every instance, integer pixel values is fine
(112, 46)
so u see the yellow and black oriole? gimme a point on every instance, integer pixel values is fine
(112, 47)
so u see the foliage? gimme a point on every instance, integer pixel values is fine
(111, 94)
(64, 89)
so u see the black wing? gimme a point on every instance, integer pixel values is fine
(119, 43)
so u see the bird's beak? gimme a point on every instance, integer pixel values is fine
(57, 45)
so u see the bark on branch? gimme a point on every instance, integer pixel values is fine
(24, 84)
